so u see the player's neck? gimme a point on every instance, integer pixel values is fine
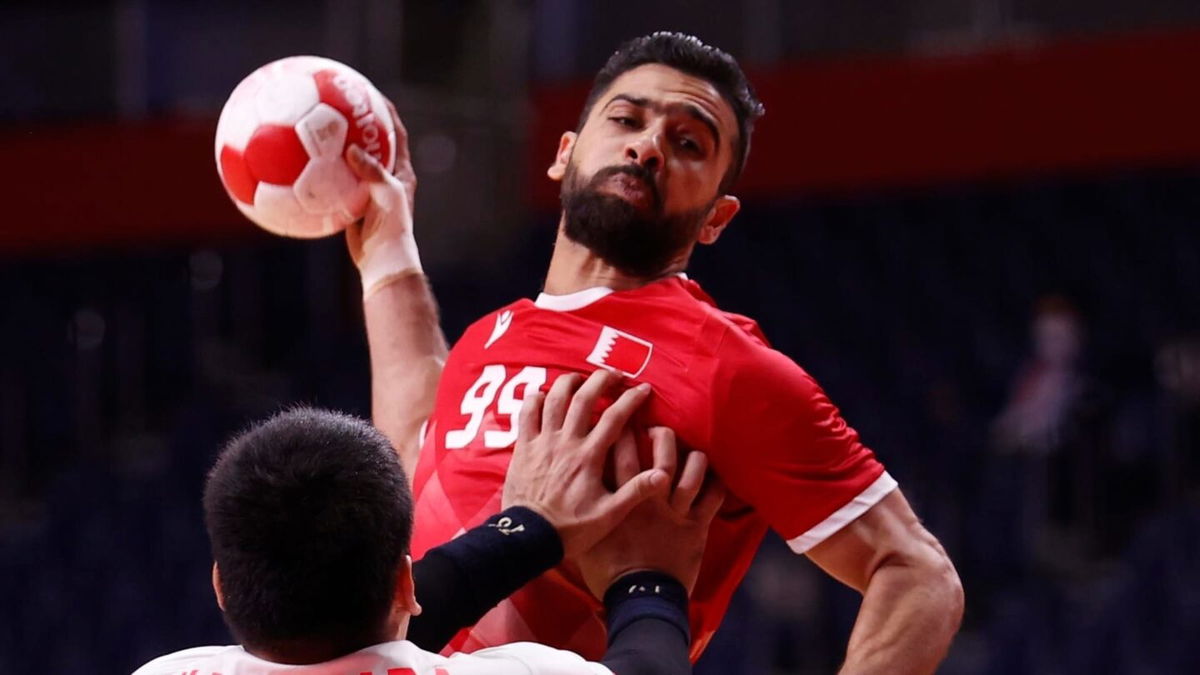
(574, 267)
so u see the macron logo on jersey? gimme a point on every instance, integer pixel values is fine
(503, 321)
(621, 352)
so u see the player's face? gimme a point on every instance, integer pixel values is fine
(641, 179)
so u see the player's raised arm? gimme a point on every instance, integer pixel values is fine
(404, 335)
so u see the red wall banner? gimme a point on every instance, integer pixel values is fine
(877, 122)
(831, 126)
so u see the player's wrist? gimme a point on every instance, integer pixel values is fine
(645, 581)
(385, 262)
(391, 280)
(563, 530)
(644, 594)
(615, 578)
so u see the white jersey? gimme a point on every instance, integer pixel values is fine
(390, 658)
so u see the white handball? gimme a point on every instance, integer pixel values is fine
(281, 141)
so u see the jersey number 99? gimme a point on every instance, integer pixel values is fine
(480, 397)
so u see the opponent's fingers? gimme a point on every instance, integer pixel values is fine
(626, 464)
(645, 485)
(710, 502)
(616, 417)
(530, 419)
(555, 408)
(664, 449)
(583, 403)
(691, 480)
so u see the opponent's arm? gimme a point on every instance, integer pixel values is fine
(459, 581)
(647, 622)
(912, 597)
(404, 336)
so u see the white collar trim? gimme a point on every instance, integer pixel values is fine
(571, 301)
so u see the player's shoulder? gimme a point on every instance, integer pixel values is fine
(744, 329)
(536, 658)
(678, 309)
(681, 303)
(740, 325)
(185, 659)
(490, 326)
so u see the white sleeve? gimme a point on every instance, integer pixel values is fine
(523, 658)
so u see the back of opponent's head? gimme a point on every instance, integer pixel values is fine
(310, 515)
(690, 55)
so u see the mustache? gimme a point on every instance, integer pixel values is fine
(635, 170)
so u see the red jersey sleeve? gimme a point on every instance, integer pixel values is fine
(780, 445)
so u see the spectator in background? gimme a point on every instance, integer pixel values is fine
(1047, 386)
(1177, 366)
(1055, 442)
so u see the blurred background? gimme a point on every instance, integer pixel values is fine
(974, 221)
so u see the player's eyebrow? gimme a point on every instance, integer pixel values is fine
(692, 111)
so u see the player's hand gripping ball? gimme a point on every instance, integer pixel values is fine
(281, 141)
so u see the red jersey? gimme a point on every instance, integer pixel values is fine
(772, 436)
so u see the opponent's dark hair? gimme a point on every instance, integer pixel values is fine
(690, 55)
(309, 514)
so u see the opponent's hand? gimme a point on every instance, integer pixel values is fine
(666, 533)
(382, 243)
(557, 467)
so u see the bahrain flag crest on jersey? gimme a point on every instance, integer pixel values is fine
(621, 352)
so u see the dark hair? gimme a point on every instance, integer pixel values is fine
(309, 514)
(688, 54)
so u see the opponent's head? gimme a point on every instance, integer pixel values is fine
(664, 134)
(310, 517)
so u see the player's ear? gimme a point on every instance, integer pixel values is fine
(406, 590)
(563, 157)
(723, 210)
(216, 583)
(404, 600)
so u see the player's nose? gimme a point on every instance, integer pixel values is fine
(646, 149)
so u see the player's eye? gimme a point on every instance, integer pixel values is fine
(625, 121)
(690, 145)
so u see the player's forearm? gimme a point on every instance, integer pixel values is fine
(407, 351)
(911, 609)
(459, 581)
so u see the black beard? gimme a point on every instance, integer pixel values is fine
(641, 244)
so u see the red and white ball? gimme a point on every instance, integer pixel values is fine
(281, 141)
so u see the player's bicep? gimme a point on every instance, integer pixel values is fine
(887, 532)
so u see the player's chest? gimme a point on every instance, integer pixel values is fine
(490, 372)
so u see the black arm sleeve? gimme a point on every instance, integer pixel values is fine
(647, 626)
(459, 581)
